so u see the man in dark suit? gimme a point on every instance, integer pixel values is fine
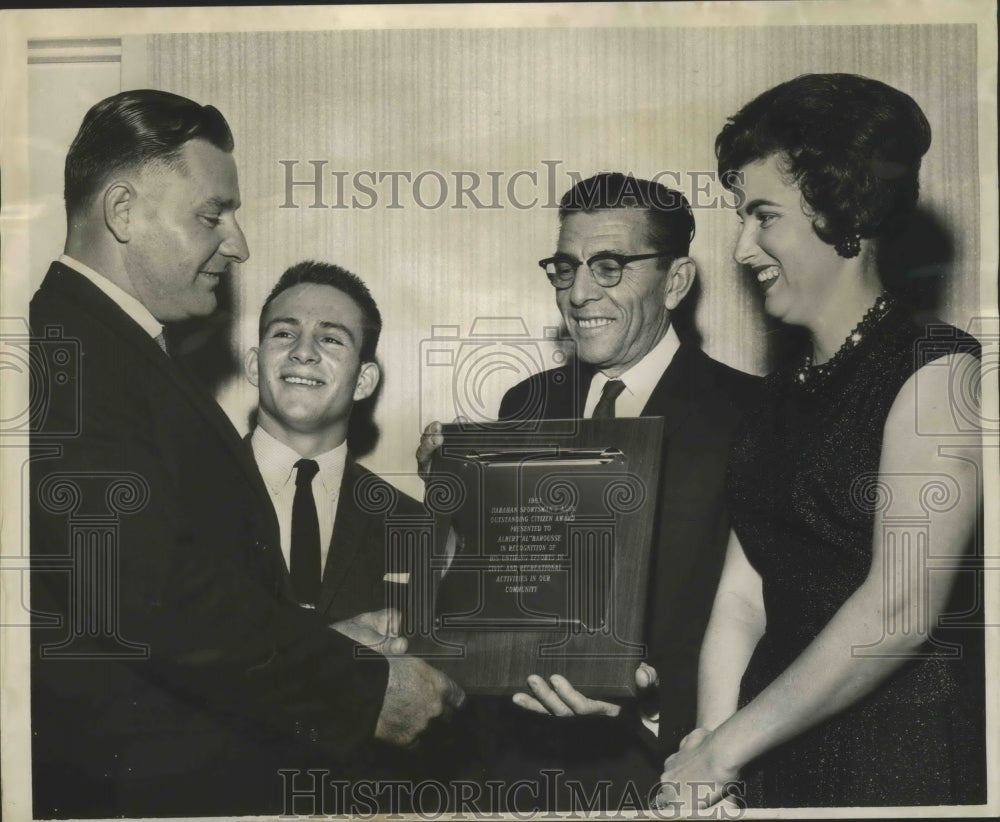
(620, 270)
(319, 330)
(170, 674)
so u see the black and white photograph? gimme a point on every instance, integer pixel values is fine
(490, 411)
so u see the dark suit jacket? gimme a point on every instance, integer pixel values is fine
(360, 553)
(189, 677)
(702, 402)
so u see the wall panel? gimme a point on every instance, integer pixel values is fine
(543, 102)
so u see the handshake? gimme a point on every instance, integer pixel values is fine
(416, 694)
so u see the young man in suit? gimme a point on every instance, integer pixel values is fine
(319, 330)
(171, 676)
(620, 271)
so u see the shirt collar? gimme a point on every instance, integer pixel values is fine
(125, 301)
(642, 377)
(277, 462)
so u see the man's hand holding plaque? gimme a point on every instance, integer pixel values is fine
(558, 697)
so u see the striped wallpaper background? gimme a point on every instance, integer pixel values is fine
(521, 111)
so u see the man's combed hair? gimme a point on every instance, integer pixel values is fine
(670, 221)
(851, 144)
(312, 272)
(131, 129)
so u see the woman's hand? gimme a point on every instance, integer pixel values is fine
(696, 777)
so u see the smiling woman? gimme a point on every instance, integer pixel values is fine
(826, 675)
(804, 279)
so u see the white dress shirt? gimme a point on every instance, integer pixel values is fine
(277, 466)
(640, 379)
(125, 301)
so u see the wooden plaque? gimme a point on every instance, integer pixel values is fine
(554, 523)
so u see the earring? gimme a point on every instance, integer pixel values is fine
(848, 247)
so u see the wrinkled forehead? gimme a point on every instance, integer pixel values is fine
(615, 229)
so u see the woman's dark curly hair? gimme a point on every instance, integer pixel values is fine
(852, 145)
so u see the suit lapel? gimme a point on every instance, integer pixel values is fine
(563, 404)
(105, 310)
(675, 394)
(274, 541)
(350, 540)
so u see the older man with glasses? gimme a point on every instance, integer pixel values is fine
(620, 271)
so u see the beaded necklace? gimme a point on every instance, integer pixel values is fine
(811, 377)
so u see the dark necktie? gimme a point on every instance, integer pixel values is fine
(305, 561)
(605, 408)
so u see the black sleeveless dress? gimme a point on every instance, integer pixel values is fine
(802, 484)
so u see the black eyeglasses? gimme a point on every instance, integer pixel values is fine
(606, 266)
